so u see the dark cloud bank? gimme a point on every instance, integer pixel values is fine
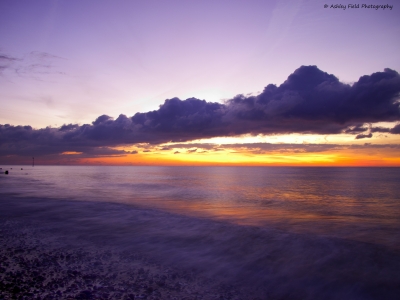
(309, 101)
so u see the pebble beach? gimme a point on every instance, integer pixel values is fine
(38, 262)
(31, 270)
(111, 240)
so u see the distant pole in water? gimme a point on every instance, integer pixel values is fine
(33, 161)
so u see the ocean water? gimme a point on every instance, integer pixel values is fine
(290, 233)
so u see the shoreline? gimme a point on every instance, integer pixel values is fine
(38, 261)
(52, 249)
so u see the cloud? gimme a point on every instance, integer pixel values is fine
(207, 146)
(33, 65)
(363, 136)
(395, 129)
(309, 101)
(264, 148)
(380, 129)
(6, 62)
(356, 129)
(44, 56)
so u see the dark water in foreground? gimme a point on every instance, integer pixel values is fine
(290, 233)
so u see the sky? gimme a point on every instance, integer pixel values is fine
(200, 82)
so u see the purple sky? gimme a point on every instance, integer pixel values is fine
(67, 62)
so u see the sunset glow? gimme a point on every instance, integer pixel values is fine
(244, 156)
(210, 83)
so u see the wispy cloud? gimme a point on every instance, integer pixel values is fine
(265, 148)
(34, 65)
(7, 61)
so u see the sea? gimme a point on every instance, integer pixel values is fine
(288, 232)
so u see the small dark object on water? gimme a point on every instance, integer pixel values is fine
(6, 172)
(21, 169)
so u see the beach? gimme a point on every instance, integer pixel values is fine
(199, 150)
(40, 260)
(74, 247)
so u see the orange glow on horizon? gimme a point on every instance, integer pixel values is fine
(71, 153)
(343, 157)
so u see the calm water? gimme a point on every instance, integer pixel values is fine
(322, 232)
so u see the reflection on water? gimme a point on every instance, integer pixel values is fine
(355, 203)
(282, 233)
